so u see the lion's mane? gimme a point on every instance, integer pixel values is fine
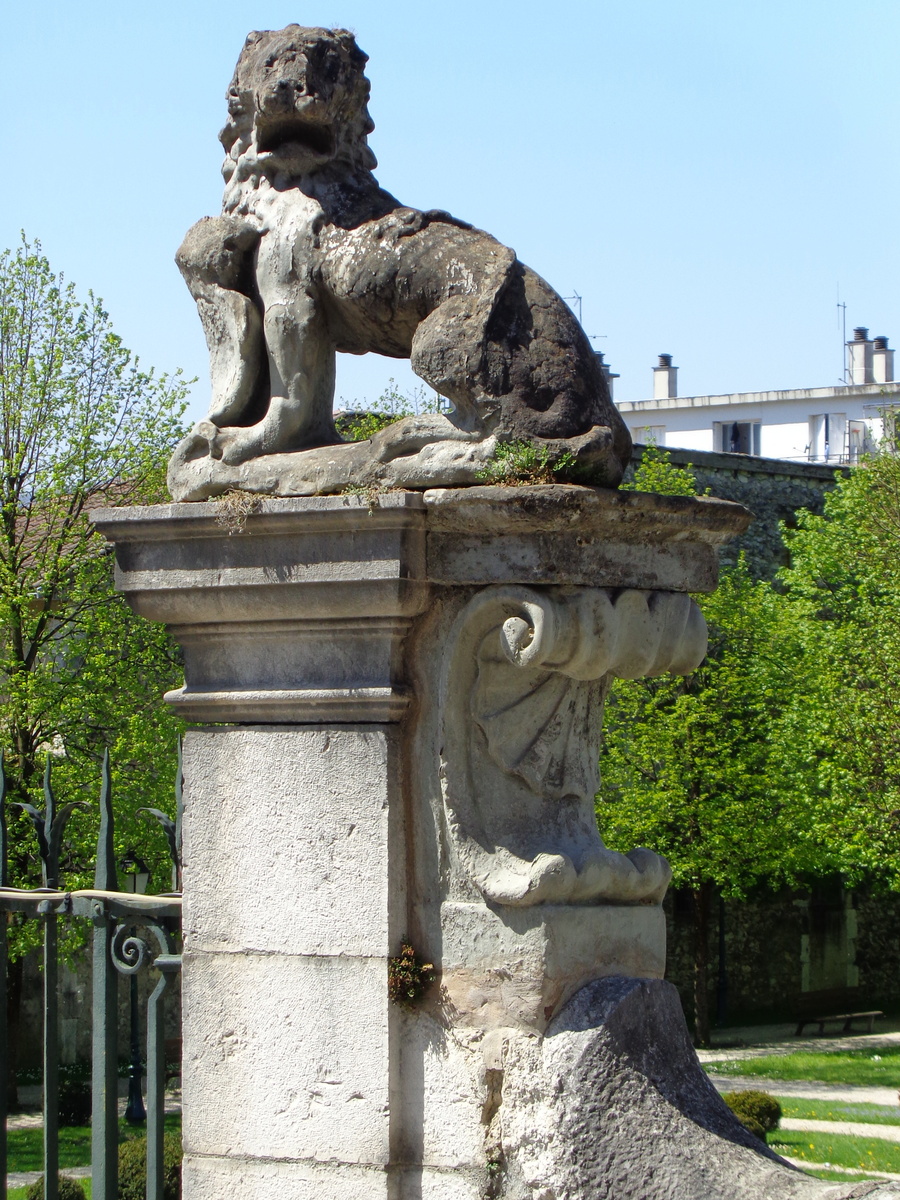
(334, 60)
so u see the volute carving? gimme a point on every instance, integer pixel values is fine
(523, 688)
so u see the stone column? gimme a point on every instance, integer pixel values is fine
(395, 705)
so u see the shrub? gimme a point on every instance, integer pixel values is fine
(69, 1189)
(757, 1111)
(74, 1100)
(133, 1168)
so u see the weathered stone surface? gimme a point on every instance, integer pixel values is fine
(532, 1070)
(611, 1104)
(505, 969)
(227, 1178)
(315, 804)
(294, 868)
(286, 1057)
(310, 257)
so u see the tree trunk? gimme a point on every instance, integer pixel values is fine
(703, 903)
(14, 976)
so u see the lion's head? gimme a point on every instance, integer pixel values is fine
(297, 102)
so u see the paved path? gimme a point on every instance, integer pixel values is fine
(809, 1089)
(758, 1040)
(888, 1133)
(19, 1179)
(779, 1039)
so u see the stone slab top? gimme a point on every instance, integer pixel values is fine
(485, 511)
(374, 552)
(620, 515)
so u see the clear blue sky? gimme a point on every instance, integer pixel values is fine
(704, 174)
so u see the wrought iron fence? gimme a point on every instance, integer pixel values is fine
(131, 932)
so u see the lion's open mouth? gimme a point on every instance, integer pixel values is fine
(308, 135)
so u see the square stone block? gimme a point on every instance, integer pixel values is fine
(206, 1178)
(286, 1057)
(314, 816)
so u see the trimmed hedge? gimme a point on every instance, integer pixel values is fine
(69, 1189)
(757, 1111)
(133, 1168)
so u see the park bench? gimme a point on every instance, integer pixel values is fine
(839, 1004)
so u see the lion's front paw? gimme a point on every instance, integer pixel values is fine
(196, 444)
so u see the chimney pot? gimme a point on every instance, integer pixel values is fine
(882, 362)
(605, 370)
(861, 357)
(665, 379)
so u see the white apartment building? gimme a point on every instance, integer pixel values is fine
(824, 425)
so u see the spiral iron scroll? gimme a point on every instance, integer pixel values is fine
(131, 951)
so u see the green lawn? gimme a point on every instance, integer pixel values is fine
(837, 1149)
(881, 1069)
(25, 1146)
(846, 1176)
(838, 1110)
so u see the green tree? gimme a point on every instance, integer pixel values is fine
(81, 425)
(687, 766)
(843, 587)
(358, 424)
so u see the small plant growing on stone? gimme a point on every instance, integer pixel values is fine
(656, 473)
(234, 509)
(408, 977)
(522, 463)
(757, 1111)
(367, 492)
(69, 1189)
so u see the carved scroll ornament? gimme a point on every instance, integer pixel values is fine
(524, 684)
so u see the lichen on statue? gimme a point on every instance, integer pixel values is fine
(310, 257)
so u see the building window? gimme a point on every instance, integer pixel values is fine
(737, 437)
(828, 438)
(859, 441)
(648, 435)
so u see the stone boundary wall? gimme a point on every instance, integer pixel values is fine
(779, 944)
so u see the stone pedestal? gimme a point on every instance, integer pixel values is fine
(395, 702)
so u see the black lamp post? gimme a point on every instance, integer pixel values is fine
(136, 874)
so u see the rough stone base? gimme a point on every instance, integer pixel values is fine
(611, 1104)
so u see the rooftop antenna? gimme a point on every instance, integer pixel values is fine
(577, 300)
(843, 319)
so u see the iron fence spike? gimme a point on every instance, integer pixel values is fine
(105, 877)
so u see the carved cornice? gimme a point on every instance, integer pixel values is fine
(298, 611)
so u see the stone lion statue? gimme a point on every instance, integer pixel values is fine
(311, 257)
